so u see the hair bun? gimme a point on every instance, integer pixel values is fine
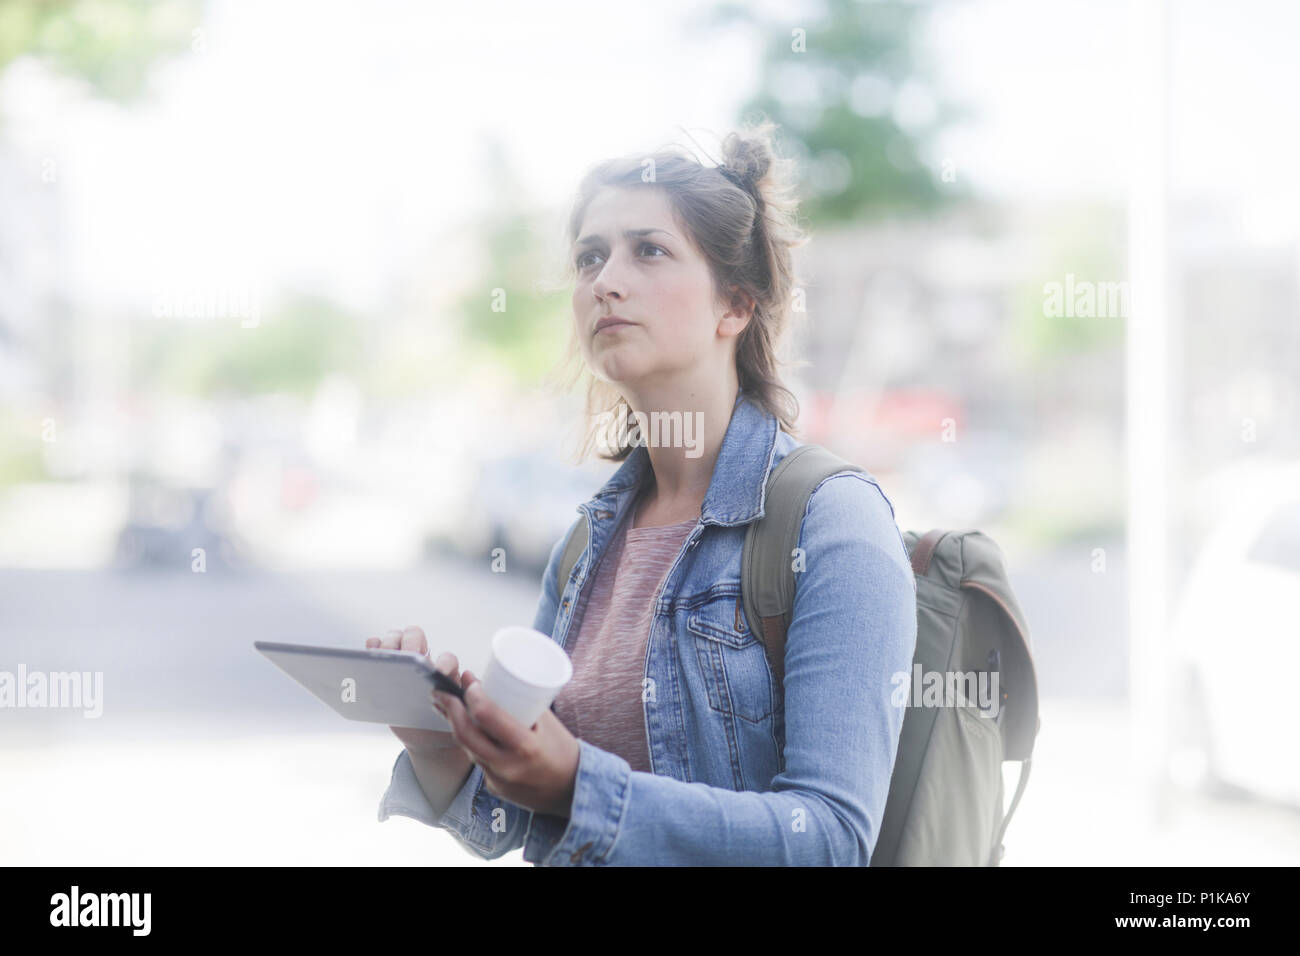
(737, 177)
(746, 159)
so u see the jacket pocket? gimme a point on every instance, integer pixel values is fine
(731, 658)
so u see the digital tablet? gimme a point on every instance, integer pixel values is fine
(375, 686)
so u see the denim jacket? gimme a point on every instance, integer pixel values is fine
(745, 772)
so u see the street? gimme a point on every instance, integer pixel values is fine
(206, 754)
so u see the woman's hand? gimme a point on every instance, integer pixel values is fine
(533, 767)
(419, 742)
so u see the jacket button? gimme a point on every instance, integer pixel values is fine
(577, 854)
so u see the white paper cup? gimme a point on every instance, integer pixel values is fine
(525, 672)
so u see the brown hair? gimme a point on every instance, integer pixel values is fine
(742, 217)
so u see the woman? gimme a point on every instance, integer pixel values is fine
(673, 744)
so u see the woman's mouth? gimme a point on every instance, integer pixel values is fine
(610, 322)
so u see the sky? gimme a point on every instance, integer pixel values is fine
(336, 145)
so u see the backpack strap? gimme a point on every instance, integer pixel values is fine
(767, 575)
(995, 857)
(923, 553)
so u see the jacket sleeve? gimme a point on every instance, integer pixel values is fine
(853, 627)
(483, 823)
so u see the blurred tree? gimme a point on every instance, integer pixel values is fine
(292, 349)
(21, 453)
(1081, 258)
(110, 44)
(854, 104)
(509, 314)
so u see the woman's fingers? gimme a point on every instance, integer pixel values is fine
(448, 664)
(498, 724)
(413, 639)
(408, 639)
(468, 734)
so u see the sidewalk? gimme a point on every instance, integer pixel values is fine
(1081, 807)
(267, 800)
(312, 799)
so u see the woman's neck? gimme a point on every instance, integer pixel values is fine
(684, 441)
(648, 512)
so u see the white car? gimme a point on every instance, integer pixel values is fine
(1236, 634)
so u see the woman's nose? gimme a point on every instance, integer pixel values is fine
(608, 284)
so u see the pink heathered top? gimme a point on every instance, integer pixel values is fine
(602, 702)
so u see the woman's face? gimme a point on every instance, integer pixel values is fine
(633, 260)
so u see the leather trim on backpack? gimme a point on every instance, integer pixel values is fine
(924, 551)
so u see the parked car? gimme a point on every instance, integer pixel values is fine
(166, 523)
(1237, 646)
(523, 504)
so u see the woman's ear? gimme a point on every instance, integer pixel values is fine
(739, 313)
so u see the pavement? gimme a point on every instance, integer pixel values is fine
(206, 754)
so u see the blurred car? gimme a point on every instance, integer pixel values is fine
(1236, 644)
(166, 523)
(523, 504)
(974, 479)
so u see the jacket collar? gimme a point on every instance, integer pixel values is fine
(739, 483)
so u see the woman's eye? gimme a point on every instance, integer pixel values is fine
(583, 260)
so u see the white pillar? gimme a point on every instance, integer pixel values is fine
(1147, 419)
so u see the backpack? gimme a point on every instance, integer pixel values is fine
(946, 792)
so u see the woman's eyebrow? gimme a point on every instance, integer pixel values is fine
(594, 238)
